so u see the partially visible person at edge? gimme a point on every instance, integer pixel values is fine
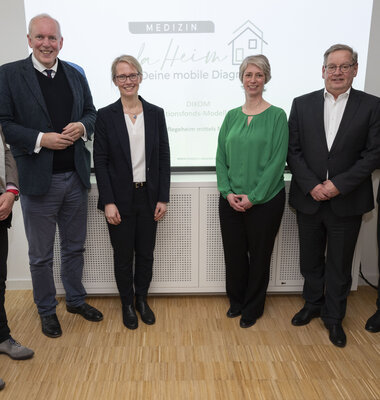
(334, 145)
(47, 114)
(373, 323)
(250, 162)
(8, 194)
(132, 167)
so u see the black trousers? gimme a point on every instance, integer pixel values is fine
(4, 225)
(134, 239)
(378, 260)
(248, 239)
(327, 245)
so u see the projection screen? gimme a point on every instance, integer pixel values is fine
(190, 53)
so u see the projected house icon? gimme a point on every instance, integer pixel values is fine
(248, 40)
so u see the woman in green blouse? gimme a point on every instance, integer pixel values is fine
(250, 161)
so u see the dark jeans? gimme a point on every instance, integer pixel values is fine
(134, 238)
(4, 225)
(248, 239)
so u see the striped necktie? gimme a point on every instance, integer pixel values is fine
(49, 73)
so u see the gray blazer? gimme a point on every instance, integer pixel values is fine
(23, 114)
(10, 168)
(354, 154)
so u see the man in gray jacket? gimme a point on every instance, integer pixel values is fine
(8, 194)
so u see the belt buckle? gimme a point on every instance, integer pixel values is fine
(139, 184)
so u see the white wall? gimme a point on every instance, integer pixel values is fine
(13, 42)
(13, 46)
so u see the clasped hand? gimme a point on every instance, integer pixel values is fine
(60, 141)
(324, 191)
(239, 202)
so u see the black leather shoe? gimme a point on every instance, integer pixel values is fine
(233, 312)
(246, 323)
(2, 384)
(305, 315)
(86, 311)
(145, 311)
(373, 323)
(50, 326)
(336, 334)
(129, 316)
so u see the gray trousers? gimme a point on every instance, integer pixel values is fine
(65, 205)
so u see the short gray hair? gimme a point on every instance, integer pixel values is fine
(260, 61)
(127, 59)
(336, 47)
(42, 16)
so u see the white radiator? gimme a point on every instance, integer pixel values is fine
(189, 254)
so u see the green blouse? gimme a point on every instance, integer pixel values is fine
(251, 158)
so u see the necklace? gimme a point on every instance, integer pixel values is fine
(134, 116)
(133, 113)
(256, 106)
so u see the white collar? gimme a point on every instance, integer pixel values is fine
(345, 94)
(41, 68)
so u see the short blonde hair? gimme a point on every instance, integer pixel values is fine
(260, 61)
(127, 59)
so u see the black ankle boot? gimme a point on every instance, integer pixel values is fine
(129, 316)
(145, 311)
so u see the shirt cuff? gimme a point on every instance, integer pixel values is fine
(11, 186)
(84, 136)
(37, 147)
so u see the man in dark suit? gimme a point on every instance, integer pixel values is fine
(47, 113)
(8, 194)
(334, 146)
(373, 323)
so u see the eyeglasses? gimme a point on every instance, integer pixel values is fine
(123, 78)
(343, 68)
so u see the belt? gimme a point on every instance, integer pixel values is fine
(139, 185)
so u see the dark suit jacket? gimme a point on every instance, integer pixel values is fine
(354, 154)
(112, 157)
(23, 114)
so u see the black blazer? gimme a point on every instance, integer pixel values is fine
(112, 157)
(23, 114)
(354, 154)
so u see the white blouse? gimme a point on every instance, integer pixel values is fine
(136, 132)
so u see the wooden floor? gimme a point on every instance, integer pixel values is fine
(193, 352)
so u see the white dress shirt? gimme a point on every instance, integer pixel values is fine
(333, 113)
